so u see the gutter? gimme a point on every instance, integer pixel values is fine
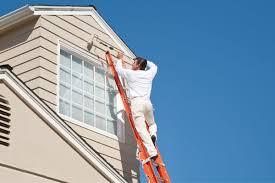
(15, 16)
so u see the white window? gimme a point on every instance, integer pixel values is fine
(87, 93)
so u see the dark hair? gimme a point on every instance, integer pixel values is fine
(141, 62)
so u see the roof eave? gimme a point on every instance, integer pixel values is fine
(62, 8)
(27, 11)
(15, 16)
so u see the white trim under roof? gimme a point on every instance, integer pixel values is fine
(15, 16)
(28, 11)
(59, 126)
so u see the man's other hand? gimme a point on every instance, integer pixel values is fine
(120, 56)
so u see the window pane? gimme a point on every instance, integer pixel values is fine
(88, 71)
(111, 112)
(65, 76)
(99, 75)
(99, 107)
(112, 127)
(64, 107)
(77, 81)
(89, 118)
(89, 87)
(89, 102)
(77, 97)
(99, 91)
(65, 59)
(65, 92)
(82, 88)
(77, 113)
(110, 82)
(111, 96)
(100, 123)
(76, 64)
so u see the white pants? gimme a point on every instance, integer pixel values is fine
(142, 110)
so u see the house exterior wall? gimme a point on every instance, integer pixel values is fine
(37, 153)
(32, 50)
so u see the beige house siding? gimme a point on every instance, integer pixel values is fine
(32, 50)
(11, 174)
(36, 152)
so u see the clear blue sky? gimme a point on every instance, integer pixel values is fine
(214, 94)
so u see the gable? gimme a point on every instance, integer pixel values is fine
(34, 56)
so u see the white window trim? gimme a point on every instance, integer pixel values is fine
(64, 45)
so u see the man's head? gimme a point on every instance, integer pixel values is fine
(139, 64)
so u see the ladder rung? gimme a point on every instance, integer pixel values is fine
(158, 164)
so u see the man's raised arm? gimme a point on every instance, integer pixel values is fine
(121, 68)
(152, 68)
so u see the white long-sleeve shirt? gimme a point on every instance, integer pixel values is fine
(139, 81)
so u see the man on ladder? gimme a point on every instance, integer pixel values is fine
(139, 80)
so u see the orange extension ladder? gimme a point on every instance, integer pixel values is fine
(155, 171)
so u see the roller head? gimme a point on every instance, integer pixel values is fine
(90, 45)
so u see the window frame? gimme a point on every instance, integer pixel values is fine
(89, 58)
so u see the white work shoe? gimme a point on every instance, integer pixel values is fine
(150, 158)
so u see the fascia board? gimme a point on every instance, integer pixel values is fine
(15, 17)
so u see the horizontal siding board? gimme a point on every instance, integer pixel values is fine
(94, 135)
(49, 45)
(104, 144)
(33, 73)
(45, 63)
(70, 33)
(20, 49)
(85, 26)
(88, 19)
(89, 134)
(53, 37)
(48, 55)
(28, 65)
(45, 95)
(77, 32)
(40, 82)
(33, 63)
(52, 106)
(59, 31)
(126, 167)
(30, 75)
(87, 31)
(28, 56)
(116, 153)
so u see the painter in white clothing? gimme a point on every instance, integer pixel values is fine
(139, 80)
